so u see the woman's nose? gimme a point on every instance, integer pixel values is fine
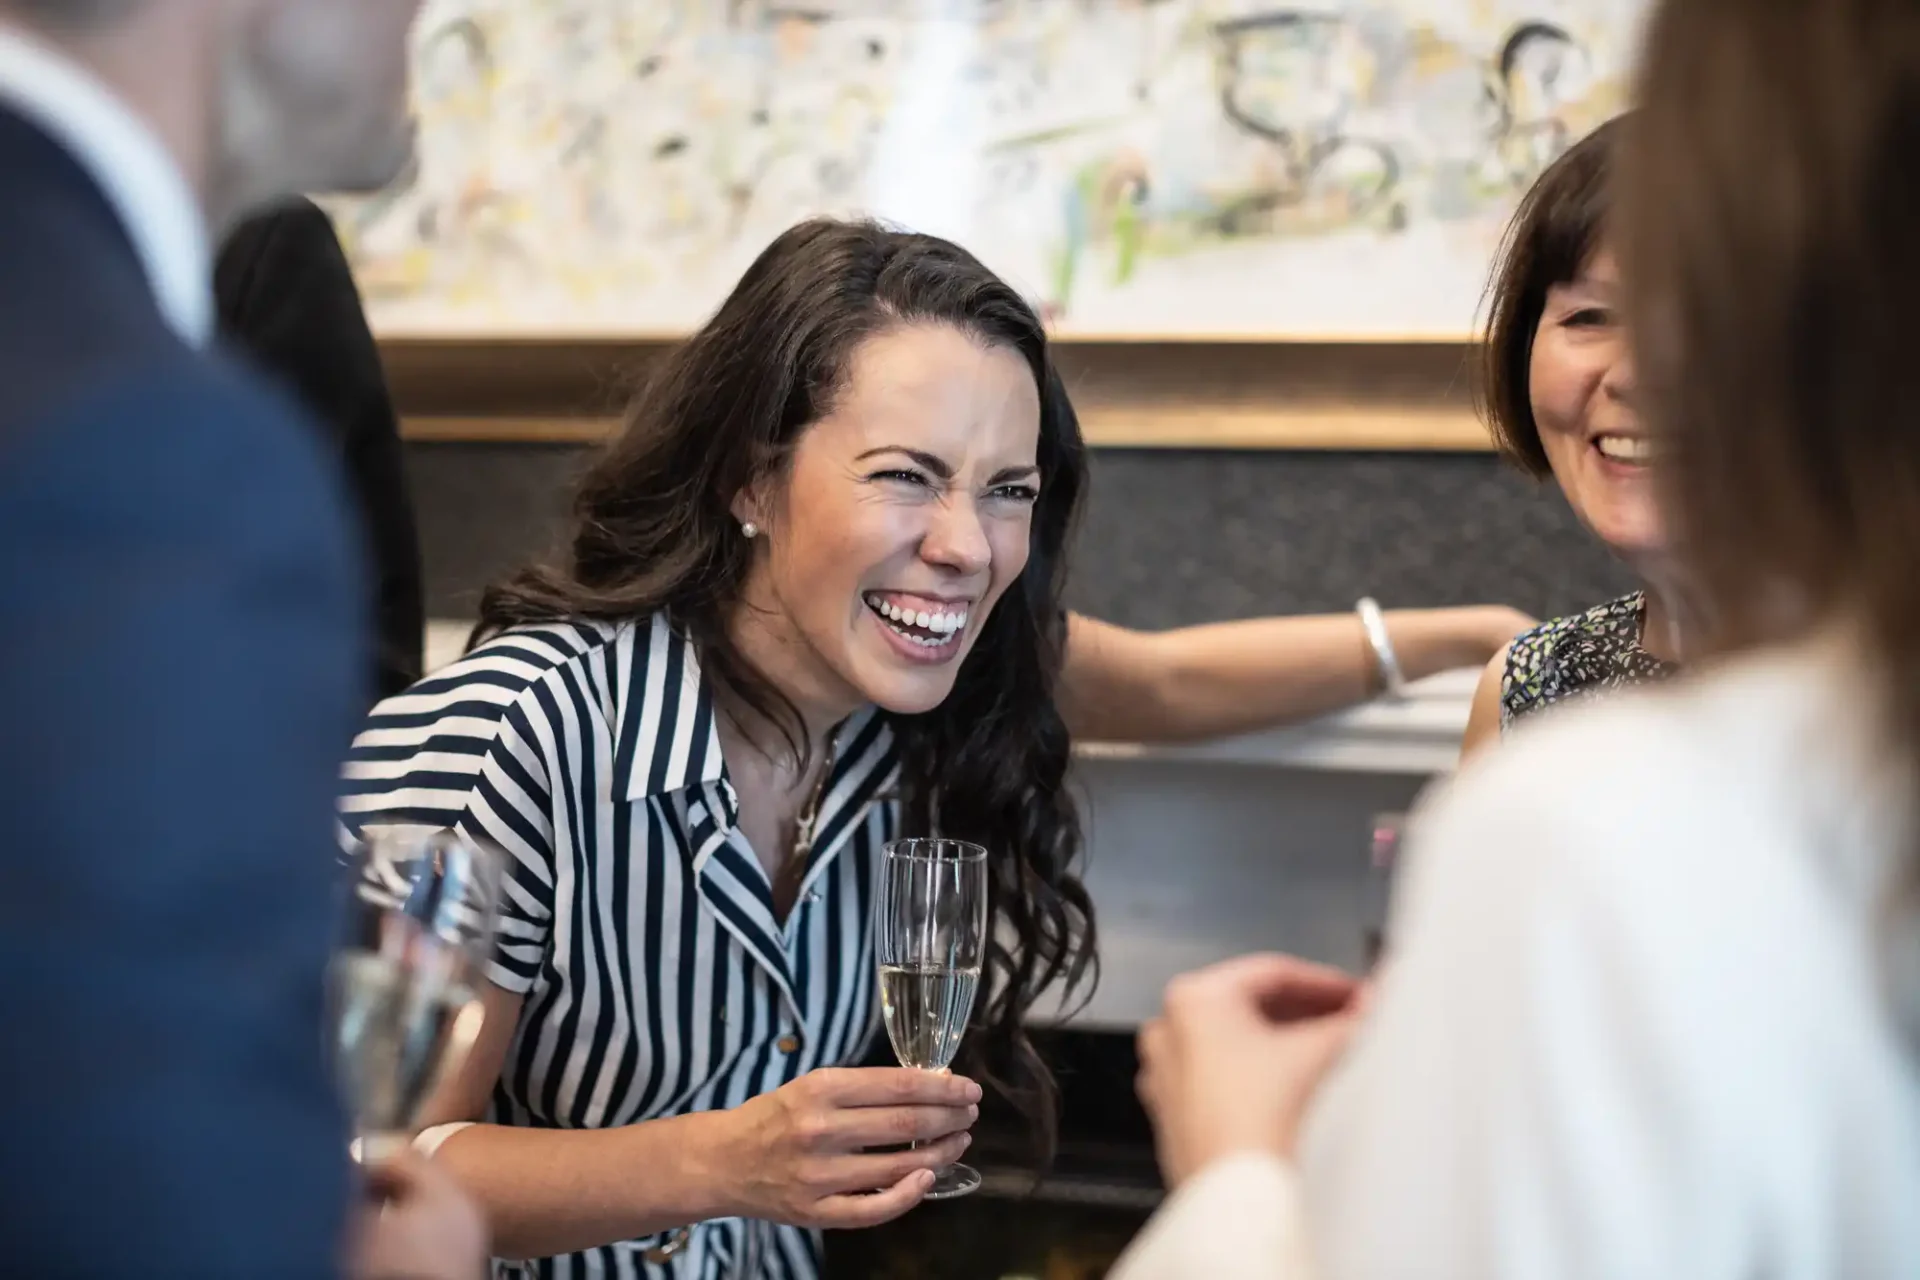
(957, 540)
(1620, 381)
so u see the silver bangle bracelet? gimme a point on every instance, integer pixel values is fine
(1374, 623)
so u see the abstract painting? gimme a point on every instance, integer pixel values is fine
(1139, 168)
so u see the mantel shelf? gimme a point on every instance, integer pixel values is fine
(1389, 396)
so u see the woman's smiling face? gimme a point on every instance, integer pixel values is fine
(901, 518)
(1580, 385)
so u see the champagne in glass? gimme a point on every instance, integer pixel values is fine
(930, 934)
(404, 1009)
(926, 1012)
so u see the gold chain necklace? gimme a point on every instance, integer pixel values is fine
(795, 869)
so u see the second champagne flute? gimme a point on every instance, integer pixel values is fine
(930, 935)
(405, 983)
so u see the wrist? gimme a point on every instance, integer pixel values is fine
(1383, 648)
(711, 1164)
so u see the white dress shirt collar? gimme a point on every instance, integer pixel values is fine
(140, 179)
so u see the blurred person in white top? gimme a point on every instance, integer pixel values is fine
(1649, 1008)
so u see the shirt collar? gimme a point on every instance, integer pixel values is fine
(141, 181)
(666, 736)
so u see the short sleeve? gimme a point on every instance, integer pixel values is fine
(464, 752)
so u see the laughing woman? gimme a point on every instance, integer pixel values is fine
(812, 601)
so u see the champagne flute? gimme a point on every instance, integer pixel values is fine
(404, 1007)
(930, 934)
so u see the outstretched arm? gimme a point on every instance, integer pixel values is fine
(1236, 677)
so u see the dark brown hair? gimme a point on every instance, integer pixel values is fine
(654, 531)
(1552, 235)
(1769, 200)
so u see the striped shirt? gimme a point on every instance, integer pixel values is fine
(637, 922)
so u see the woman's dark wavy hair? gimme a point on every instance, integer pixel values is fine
(654, 530)
(1552, 234)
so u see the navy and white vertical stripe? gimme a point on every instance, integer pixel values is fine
(638, 923)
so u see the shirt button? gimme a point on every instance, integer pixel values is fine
(788, 1044)
(673, 1246)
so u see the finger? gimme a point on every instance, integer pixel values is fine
(1307, 995)
(1143, 1088)
(1151, 1048)
(894, 1087)
(1276, 968)
(855, 1211)
(867, 1172)
(1151, 1043)
(1277, 972)
(858, 1127)
(411, 1179)
(398, 1176)
(1280, 987)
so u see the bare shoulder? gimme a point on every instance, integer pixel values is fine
(1483, 719)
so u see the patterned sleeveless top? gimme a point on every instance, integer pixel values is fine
(1581, 654)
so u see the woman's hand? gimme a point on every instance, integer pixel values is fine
(798, 1155)
(1236, 1054)
(416, 1225)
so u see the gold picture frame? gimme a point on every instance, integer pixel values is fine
(1133, 394)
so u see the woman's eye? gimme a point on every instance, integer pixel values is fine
(1589, 318)
(904, 477)
(1017, 493)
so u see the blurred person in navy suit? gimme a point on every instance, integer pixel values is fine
(180, 654)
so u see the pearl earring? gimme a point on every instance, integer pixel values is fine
(749, 529)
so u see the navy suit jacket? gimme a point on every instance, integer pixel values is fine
(180, 672)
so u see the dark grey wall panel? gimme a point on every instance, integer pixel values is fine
(483, 509)
(1168, 538)
(1173, 538)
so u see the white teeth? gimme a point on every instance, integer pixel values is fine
(945, 626)
(1623, 448)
